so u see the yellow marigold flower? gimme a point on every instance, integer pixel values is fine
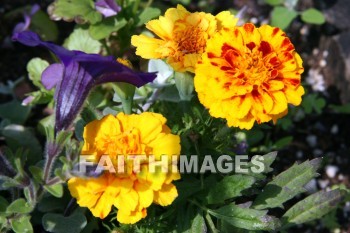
(182, 36)
(129, 191)
(249, 74)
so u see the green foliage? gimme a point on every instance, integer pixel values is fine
(246, 218)
(81, 40)
(313, 102)
(313, 16)
(104, 28)
(22, 225)
(282, 17)
(287, 185)
(45, 27)
(284, 13)
(313, 207)
(229, 187)
(73, 9)
(58, 223)
(19, 206)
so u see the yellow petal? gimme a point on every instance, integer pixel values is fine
(148, 47)
(131, 217)
(145, 194)
(226, 20)
(166, 195)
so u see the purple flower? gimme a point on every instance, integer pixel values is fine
(77, 74)
(107, 7)
(23, 26)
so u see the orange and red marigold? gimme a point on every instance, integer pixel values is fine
(249, 74)
(130, 192)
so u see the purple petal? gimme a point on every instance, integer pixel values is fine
(32, 39)
(72, 92)
(107, 69)
(35, 8)
(52, 75)
(107, 7)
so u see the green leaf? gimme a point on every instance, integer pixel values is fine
(35, 68)
(57, 223)
(313, 16)
(146, 15)
(313, 207)
(37, 173)
(81, 40)
(248, 219)
(345, 108)
(19, 206)
(14, 111)
(56, 189)
(229, 187)
(71, 9)
(22, 225)
(184, 84)
(198, 224)
(17, 136)
(44, 26)
(274, 2)
(287, 185)
(267, 160)
(282, 17)
(104, 28)
(283, 142)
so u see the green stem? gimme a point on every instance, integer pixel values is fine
(207, 216)
(210, 223)
(127, 105)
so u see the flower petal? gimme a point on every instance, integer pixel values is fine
(52, 75)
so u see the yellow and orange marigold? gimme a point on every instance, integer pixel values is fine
(130, 192)
(249, 74)
(182, 36)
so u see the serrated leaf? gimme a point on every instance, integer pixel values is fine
(81, 40)
(71, 9)
(35, 68)
(266, 161)
(313, 16)
(287, 185)
(245, 218)
(147, 14)
(282, 17)
(229, 187)
(313, 207)
(56, 190)
(19, 206)
(104, 28)
(57, 223)
(22, 225)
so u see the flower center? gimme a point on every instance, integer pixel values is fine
(125, 143)
(190, 39)
(253, 67)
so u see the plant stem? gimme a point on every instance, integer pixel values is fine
(210, 223)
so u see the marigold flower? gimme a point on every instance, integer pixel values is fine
(249, 74)
(131, 192)
(182, 36)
